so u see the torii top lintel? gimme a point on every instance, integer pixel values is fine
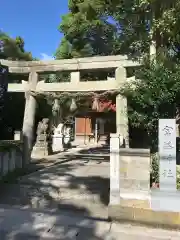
(75, 64)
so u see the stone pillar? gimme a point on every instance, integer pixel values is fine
(29, 119)
(167, 154)
(114, 170)
(121, 109)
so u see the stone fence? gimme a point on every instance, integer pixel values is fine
(10, 157)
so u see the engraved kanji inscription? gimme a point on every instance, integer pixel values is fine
(168, 173)
(167, 130)
(169, 158)
(168, 145)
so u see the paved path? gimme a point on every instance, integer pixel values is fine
(66, 200)
(16, 224)
(70, 181)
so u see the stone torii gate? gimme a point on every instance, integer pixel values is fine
(33, 68)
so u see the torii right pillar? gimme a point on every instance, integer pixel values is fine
(122, 127)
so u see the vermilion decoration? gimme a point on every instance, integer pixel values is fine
(106, 106)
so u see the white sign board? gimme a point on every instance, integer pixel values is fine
(167, 153)
(114, 169)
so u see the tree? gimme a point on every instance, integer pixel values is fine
(64, 50)
(20, 43)
(86, 32)
(13, 49)
(145, 23)
(100, 27)
(153, 95)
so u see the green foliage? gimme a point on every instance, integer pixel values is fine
(87, 31)
(155, 168)
(97, 27)
(156, 95)
(64, 50)
(178, 176)
(13, 49)
(145, 20)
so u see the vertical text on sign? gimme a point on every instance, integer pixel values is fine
(167, 154)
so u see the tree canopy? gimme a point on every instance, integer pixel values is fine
(86, 31)
(99, 27)
(13, 49)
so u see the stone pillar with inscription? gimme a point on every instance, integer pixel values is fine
(114, 170)
(167, 154)
(167, 197)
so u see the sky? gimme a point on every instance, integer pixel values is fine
(36, 21)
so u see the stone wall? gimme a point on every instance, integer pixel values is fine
(10, 157)
(134, 170)
(134, 177)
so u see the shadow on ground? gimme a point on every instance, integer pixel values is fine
(76, 183)
(23, 224)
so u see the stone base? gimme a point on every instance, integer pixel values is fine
(57, 143)
(40, 151)
(155, 208)
(142, 215)
(138, 203)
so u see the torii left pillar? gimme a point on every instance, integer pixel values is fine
(29, 118)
